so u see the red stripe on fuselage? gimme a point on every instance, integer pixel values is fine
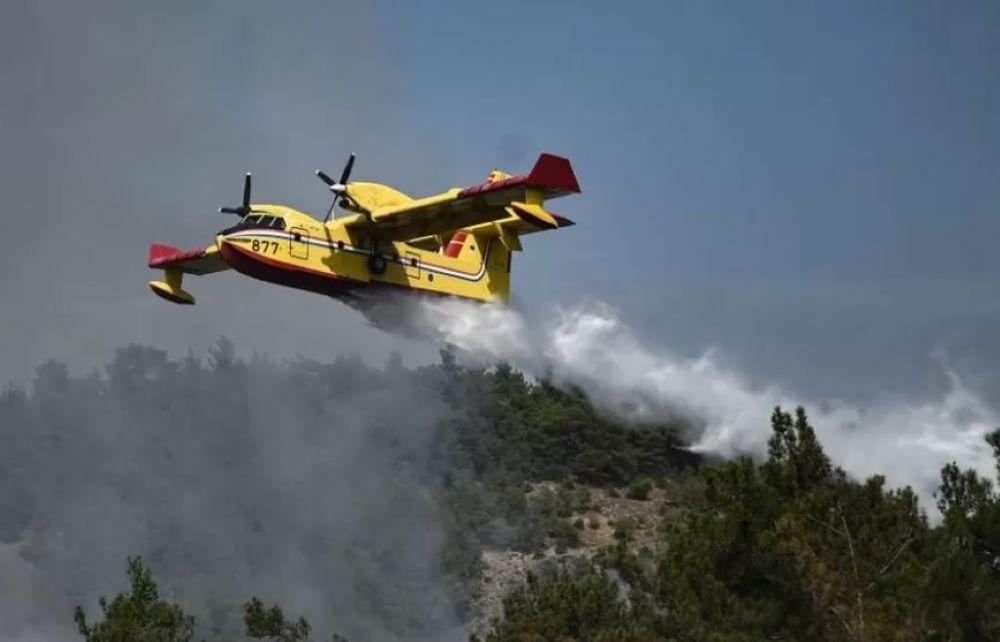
(265, 269)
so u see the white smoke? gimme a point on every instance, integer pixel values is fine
(588, 345)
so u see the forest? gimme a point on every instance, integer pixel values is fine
(223, 498)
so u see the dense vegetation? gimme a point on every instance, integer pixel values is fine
(790, 549)
(370, 491)
(343, 467)
(506, 432)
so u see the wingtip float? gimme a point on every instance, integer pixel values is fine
(456, 243)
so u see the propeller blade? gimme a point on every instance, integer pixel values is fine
(231, 210)
(347, 170)
(339, 188)
(324, 177)
(246, 193)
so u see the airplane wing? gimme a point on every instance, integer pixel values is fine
(511, 197)
(198, 261)
(176, 263)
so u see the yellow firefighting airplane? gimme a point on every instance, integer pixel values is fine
(456, 243)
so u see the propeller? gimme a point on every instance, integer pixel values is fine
(243, 209)
(339, 188)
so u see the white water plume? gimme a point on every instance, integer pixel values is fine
(588, 345)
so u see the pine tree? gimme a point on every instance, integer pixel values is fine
(137, 616)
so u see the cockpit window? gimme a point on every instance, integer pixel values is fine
(256, 221)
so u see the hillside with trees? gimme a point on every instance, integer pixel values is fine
(790, 548)
(301, 500)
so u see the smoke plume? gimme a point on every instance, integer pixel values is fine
(588, 345)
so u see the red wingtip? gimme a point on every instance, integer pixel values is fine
(161, 256)
(553, 173)
(161, 253)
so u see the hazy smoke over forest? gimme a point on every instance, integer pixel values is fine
(314, 484)
(590, 346)
(301, 483)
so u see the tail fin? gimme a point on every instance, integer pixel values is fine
(554, 175)
(489, 253)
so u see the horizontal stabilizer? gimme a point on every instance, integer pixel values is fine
(534, 215)
(563, 221)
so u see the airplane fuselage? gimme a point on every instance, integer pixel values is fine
(328, 259)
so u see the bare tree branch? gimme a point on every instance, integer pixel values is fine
(824, 524)
(854, 564)
(885, 569)
(843, 622)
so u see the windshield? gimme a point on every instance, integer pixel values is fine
(256, 221)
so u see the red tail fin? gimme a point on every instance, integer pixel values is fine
(553, 174)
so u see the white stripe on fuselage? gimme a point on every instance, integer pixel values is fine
(334, 245)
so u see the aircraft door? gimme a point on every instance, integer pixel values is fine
(413, 265)
(297, 246)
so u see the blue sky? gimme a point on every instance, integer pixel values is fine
(862, 137)
(819, 175)
(809, 187)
